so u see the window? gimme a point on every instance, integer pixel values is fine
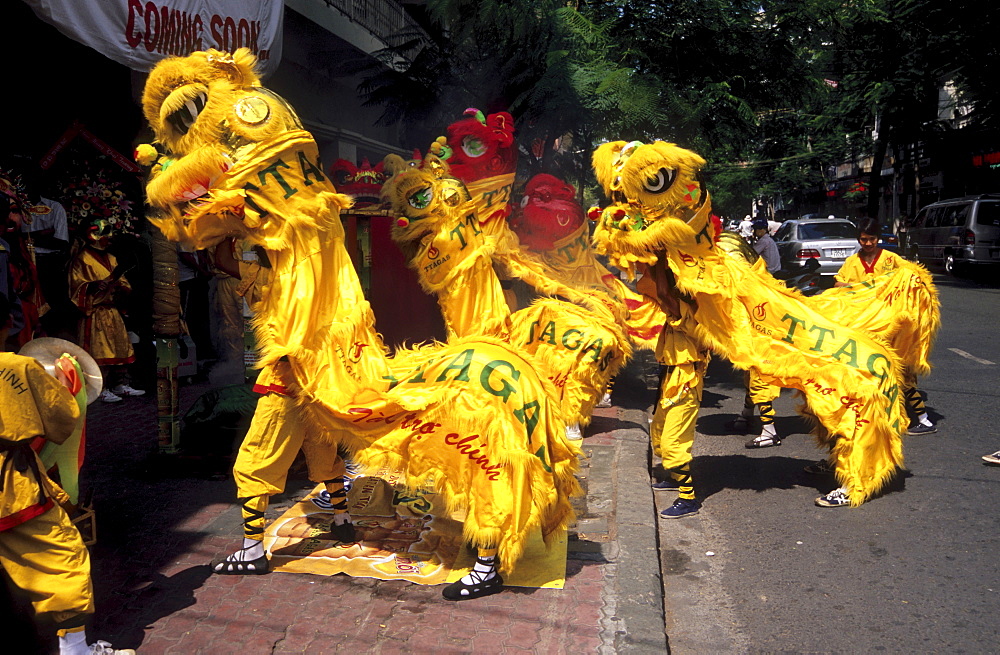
(952, 215)
(830, 230)
(783, 232)
(988, 213)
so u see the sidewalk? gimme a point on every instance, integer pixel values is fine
(161, 520)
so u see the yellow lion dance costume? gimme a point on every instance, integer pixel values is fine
(838, 351)
(471, 419)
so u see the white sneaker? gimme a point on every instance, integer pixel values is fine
(605, 400)
(992, 459)
(125, 390)
(108, 397)
(573, 432)
(104, 648)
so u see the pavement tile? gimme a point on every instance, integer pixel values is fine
(525, 636)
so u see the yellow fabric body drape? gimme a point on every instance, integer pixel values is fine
(900, 306)
(455, 263)
(571, 262)
(101, 331)
(580, 353)
(578, 348)
(471, 418)
(851, 380)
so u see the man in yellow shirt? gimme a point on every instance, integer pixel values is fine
(869, 262)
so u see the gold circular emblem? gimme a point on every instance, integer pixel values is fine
(252, 110)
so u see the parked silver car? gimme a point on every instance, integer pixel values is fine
(827, 240)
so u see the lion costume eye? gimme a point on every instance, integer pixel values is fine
(473, 146)
(661, 181)
(421, 199)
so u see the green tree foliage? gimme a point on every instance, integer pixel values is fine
(771, 92)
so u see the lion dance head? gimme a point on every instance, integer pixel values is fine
(548, 213)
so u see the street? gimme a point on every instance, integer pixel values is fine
(912, 571)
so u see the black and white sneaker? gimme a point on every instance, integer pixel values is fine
(918, 429)
(323, 500)
(822, 467)
(836, 498)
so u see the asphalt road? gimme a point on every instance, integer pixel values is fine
(763, 570)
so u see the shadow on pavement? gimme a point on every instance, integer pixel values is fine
(718, 472)
(160, 598)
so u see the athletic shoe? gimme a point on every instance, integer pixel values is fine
(992, 459)
(666, 485)
(605, 400)
(125, 390)
(108, 397)
(104, 648)
(763, 441)
(573, 432)
(919, 428)
(836, 498)
(682, 507)
(323, 500)
(822, 467)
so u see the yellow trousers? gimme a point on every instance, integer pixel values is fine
(757, 390)
(672, 430)
(45, 557)
(277, 433)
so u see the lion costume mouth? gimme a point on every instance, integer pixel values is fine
(183, 106)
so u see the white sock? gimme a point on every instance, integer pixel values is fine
(342, 518)
(768, 431)
(74, 643)
(925, 420)
(489, 569)
(252, 549)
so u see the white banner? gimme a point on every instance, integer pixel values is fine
(138, 33)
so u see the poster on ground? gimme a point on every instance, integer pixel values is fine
(400, 536)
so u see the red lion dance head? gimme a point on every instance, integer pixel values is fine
(482, 146)
(363, 183)
(548, 212)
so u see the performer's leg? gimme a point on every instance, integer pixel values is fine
(327, 466)
(915, 407)
(676, 441)
(741, 424)
(260, 471)
(250, 559)
(482, 580)
(762, 396)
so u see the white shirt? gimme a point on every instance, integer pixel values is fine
(746, 228)
(55, 219)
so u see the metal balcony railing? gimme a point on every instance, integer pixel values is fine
(382, 18)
